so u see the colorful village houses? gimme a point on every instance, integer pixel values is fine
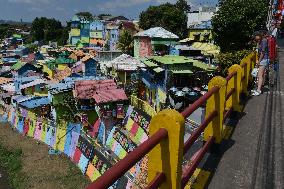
(97, 34)
(100, 99)
(164, 72)
(61, 62)
(155, 41)
(123, 67)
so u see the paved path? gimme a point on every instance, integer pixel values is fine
(256, 159)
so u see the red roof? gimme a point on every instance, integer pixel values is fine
(102, 91)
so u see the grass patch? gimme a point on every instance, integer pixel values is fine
(10, 160)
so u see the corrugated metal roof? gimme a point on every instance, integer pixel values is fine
(21, 98)
(33, 83)
(157, 32)
(102, 91)
(35, 102)
(125, 62)
(171, 59)
(63, 74)
(60, 87)
(4, 80)
(10, 87)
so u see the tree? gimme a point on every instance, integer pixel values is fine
(45, 30)
(125, 42)
(172, 17)
(235, 22)
(182, 5)
(86, 15)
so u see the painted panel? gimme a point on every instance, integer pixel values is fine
(97, 26)
(75, 32)
(97, 42)
(74, 40)
(85, 33)
(98, 35)
(85, 39)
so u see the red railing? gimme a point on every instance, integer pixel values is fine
(121, 167)
(187, 112)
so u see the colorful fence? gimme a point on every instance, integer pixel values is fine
(140, 104)
(165, 145)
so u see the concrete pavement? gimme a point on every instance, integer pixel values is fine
(256, 158)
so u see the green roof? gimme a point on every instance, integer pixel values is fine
(171, 59)
(18, 65)
(182, 71)
(149, 63)
(158, 69)
(62, 60)
(202, 65)
(18, 36)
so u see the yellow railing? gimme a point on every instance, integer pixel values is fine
(142, 105)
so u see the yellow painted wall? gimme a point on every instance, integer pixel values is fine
(62, 66)
(75, 32)
(192, 32)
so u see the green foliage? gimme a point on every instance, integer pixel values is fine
(4, 30)
(172, 17)
(32, 47)
(226, 60)
(65, 106)
(235, 22)
(45, 30)
(11, 162)
(125, 42)
(86, 15)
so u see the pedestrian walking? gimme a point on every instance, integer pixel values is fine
(263, 60)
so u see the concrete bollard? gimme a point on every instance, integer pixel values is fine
(168, 155)
(216, 102)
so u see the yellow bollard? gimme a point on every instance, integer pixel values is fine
(167, 157)
(216, 102)
(235, 83)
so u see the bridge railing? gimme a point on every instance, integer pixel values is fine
(166, 146)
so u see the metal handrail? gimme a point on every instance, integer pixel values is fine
(198, 132)
(230, 93)
(189, 172)
(231, 75)
(189, 110)
(121, 167)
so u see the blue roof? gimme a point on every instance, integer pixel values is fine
(35, 102)
(204, 25)
(21, 98)
(61, 87)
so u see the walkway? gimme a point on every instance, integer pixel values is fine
(256, 158)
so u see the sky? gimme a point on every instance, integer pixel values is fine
(63, 10)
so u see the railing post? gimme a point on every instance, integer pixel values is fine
(245, 64)
(216, 102)
(167, 157)
(235, 83)
(252, 61)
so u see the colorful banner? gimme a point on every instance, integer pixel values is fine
(86, 148)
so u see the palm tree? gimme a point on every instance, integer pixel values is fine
(125, 42)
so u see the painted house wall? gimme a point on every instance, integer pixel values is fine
(91, 67)
(192, 33)
(74, 40)
(75, 32)
(97, 26)
(145, 47)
